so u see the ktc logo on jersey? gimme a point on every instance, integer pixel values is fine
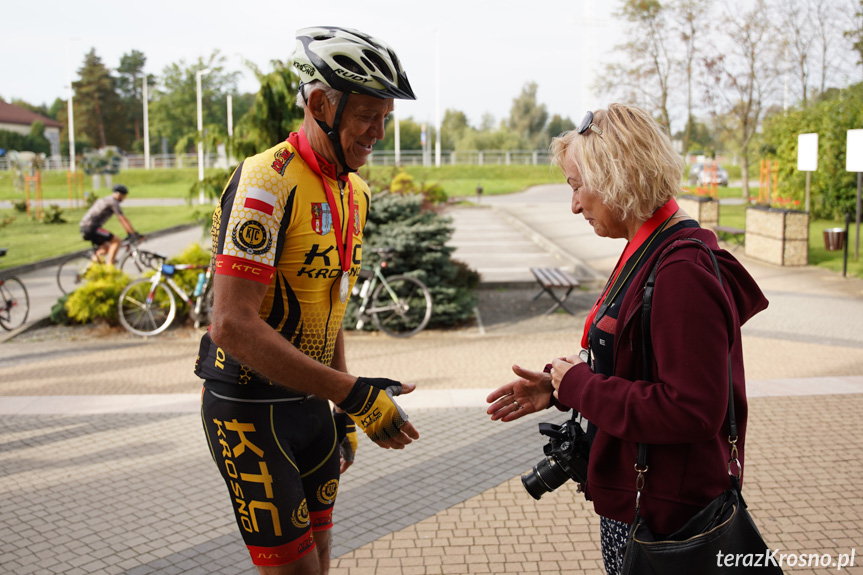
(283, 158)
(322, 219)
(300, 516)
(327, 492)
(252, 237)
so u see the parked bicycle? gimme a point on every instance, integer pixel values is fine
(14, 301)
(399, 306)
(72, 271)
(147, 306)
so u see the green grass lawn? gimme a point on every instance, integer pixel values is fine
(461, 181)
(29, 241)
(141, 183)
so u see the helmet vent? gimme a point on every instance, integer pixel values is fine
(348, 64)
(379, 64)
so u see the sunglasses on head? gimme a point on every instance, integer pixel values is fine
(587, 124)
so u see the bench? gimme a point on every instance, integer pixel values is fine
(727, 232)
(550, 279)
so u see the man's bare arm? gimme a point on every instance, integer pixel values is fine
(239, 330)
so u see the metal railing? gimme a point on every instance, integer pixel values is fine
(377, 158)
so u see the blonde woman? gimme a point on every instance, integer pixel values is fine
(624, 176)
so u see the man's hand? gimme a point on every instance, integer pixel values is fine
(370, 404)
(346, 438)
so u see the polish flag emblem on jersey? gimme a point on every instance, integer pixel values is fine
(261, 200)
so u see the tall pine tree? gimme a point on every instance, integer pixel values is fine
(130, 80)
(98, 113)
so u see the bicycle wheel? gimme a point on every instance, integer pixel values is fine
(14, 303)
(144, 313)
(404, 312)
(70, 274)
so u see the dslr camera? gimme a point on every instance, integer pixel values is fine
(566, 455)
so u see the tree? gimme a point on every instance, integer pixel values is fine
(274, 113)
(420, 236)
(130, 80)
(855, 33)
(743, 74)
(527, 118)
(799, 37)
(409, 135)
(558, 125)
(690, 22)
(453, 128)
(173, 111)
(42, 110)
(824, 17)
(98, 112)
(834, 190)
(644, 76)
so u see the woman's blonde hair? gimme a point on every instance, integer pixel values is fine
(631, 165)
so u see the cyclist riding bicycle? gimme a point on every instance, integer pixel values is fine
(105, 242)
(287, 245)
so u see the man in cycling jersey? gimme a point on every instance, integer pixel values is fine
(287, 245)
(100, 212)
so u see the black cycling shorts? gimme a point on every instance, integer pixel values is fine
(280, 462)
(98, 236)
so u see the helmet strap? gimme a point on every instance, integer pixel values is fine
(333, 133)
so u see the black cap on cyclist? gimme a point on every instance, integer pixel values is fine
(121, 189)
(352, 63)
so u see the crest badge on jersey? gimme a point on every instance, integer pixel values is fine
(356, 220)
(283, 158)
(252, 237)
(322, 218)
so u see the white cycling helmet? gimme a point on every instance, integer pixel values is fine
(351, 62)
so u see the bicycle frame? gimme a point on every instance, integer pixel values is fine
(167, 272)
(366, 291)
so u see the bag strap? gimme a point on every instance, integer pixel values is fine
(647, 354)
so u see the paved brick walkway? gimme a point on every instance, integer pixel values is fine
(104, 469)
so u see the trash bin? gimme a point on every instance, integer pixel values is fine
(834, 239)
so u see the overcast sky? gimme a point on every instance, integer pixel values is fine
(488, 49)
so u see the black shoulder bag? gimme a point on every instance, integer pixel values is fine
(721, 538)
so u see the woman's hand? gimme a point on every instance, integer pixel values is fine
(559, 367)
(530, 393)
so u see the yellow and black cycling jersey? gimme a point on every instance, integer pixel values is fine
(274, 225)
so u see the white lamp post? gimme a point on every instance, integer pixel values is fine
(145, 97)
(198, 75)
(70, 112)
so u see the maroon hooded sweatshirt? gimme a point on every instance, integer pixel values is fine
(681, 411)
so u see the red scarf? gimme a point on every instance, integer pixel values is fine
(344, 245)
(644, 232)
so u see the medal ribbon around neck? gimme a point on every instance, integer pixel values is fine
(645, 234)
(344, 245)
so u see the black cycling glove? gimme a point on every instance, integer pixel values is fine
(370, 404)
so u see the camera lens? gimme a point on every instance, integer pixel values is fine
(547, 476)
